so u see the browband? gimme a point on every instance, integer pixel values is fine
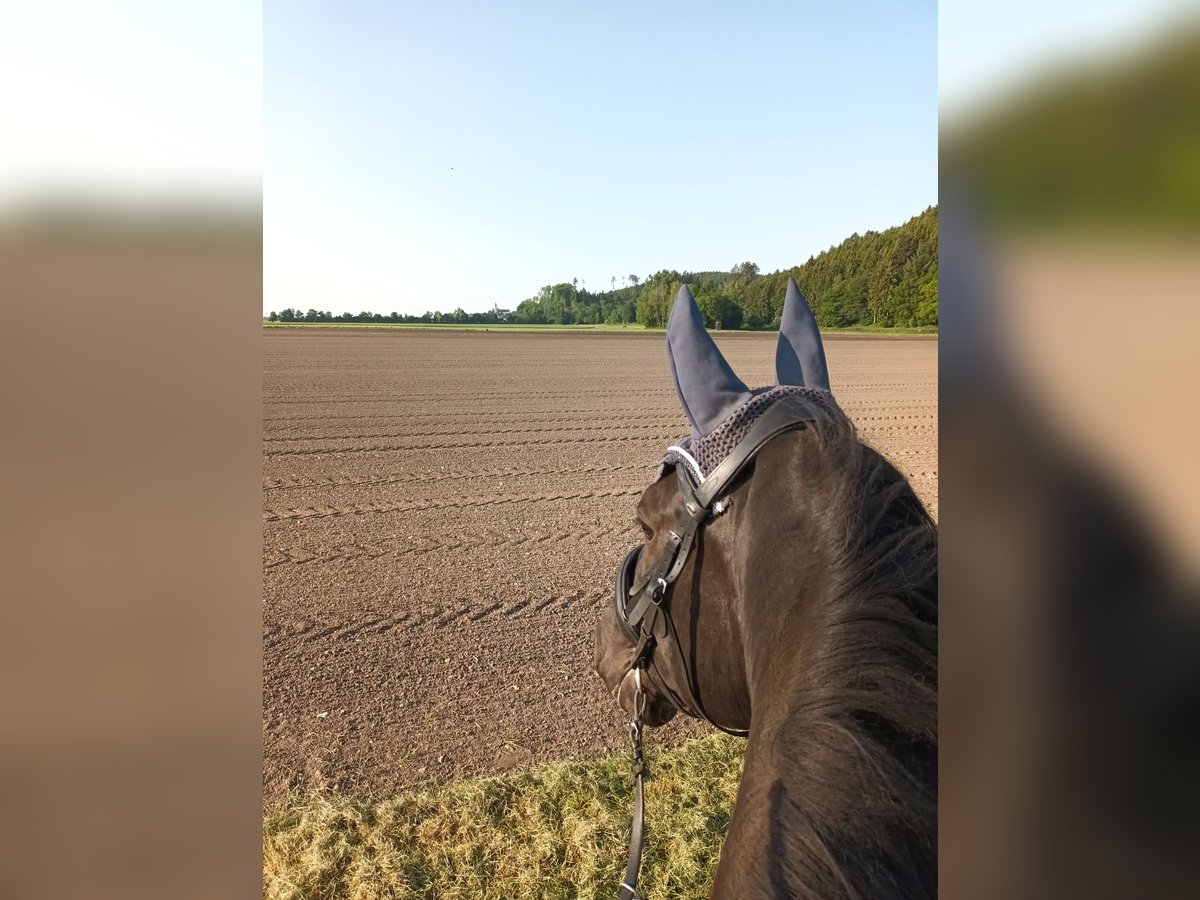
(786, 414)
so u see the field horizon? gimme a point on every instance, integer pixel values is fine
(923, 331)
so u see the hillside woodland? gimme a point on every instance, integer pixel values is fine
(880, 278)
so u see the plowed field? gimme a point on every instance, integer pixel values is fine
(442, 514)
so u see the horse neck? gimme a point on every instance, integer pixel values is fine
(787, 579)
(764, 834)
(826, 808)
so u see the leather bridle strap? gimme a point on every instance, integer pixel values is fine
(652, 587)
(633, 862)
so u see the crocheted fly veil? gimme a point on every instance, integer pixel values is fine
(719, 406)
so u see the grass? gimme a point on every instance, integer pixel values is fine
(557, 831)
(582, 329)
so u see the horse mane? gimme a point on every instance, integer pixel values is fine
(855, 758)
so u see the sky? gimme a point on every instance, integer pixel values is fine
(433, 156)
(439, 155)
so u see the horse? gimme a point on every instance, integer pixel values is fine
(786, 589)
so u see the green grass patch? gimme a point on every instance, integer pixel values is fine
(557, 831)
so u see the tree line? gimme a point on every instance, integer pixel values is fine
(885, 278)
(458, 317)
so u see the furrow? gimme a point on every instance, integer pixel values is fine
(468, 445)
(278, 484)
(302, 513)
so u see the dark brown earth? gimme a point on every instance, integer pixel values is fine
(443, 512)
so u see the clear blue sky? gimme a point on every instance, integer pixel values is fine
(428, 156)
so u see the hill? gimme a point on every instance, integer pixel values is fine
(880, 278)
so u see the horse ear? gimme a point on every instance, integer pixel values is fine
(800, 356)
(707, 387)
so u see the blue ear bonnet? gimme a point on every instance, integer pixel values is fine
(716, 402)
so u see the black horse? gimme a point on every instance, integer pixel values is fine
(787, 588)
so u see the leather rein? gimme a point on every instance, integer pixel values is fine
(642, 605)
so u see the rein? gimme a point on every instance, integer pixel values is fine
(641, 605)
(636, 833)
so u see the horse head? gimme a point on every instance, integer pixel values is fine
(786, 588)
(720, 408)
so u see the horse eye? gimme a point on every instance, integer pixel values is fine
(646, 529)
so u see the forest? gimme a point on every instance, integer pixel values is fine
(880, 278)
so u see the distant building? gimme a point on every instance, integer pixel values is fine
(501, 314)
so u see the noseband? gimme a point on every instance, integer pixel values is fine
(641, 603)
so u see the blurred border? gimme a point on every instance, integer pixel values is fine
(1070, 272)
(131, 274)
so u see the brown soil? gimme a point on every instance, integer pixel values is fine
(442, 516)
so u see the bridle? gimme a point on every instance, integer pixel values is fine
(643, 608)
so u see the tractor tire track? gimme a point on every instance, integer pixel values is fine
(439, 617)
(594, 413)
(469, 445)
(280, 484)
(325, 512)
(300, 556)
(399, 399)
(482, 429)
